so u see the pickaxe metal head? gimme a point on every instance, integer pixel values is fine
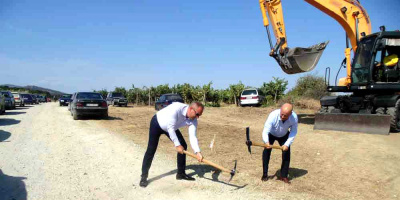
(248, 142)
(233, 171)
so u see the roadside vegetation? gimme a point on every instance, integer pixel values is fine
(306, 93)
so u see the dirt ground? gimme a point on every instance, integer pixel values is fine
(324, 164)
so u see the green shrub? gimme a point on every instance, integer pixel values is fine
(212, 104)
(309, 86)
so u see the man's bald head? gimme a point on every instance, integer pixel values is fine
(286, 111)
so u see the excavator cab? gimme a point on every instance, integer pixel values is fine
(373, 101)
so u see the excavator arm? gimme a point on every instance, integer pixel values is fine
(350, 15)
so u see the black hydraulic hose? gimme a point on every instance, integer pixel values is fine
(341, 65)
(269, 37)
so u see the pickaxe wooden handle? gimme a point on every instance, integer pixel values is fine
(265, 145)
(208, 162)
(249, 143)
(231, 172)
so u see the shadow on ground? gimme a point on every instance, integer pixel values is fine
(12, 187)
(306, 118)
(123, 106)
(99, 118)
(200, 171)
(14, 113)
(22, 108)
(4, 135)
(5, 122)
(293, 173)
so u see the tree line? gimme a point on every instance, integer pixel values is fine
(308, 86)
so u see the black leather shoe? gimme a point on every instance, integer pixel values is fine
(264, 177)
(184, 177)
(143, 182)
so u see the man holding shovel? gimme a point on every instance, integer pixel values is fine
(168, 121)
(281, 125)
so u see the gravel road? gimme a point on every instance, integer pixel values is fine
(45, 154)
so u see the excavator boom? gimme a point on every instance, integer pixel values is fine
(350, 15)
(292, 61)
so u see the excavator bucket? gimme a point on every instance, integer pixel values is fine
(350, 122)
(298, 60)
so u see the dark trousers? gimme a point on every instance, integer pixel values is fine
(154, 136)
(285, 155)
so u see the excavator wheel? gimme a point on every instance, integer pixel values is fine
(394, 112)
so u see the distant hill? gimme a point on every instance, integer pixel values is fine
(34, 88)
(11, 86)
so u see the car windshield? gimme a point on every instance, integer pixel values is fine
(174, 97)
(249, 92)
(67, 96)
(118, 95)
(87, 95)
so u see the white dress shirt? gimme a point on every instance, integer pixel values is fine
(275, 126)
(174, 117)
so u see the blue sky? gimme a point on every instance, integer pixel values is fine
(94, 44)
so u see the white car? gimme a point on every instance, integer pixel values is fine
(18, 99)
(251, 97)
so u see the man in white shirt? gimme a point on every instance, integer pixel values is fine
(168, 121)
(281, 125)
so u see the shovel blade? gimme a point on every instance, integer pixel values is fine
(298, 59)
(349, 122)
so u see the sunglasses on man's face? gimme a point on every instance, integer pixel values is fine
(197, 114)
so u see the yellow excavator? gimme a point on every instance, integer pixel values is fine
(372, 84)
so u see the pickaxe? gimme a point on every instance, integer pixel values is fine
(249, 143)
(232, 172)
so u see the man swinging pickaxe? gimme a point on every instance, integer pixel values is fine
(249, 143)
(232, 172)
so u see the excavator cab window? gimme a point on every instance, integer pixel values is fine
(362, 61)
(386, 65)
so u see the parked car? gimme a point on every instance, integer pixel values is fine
(167, 99)
(9, 99)
(2, 104)
(88, 103)
(41, 99)
(27, 98)
(34, 99)
(251, 97)
(18, 99)
(65, 99)
(116, 98)
(69, 105)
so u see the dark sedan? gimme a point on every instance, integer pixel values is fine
(167, 99)
(35, 99)
(88, 103)
(65, 99)
(28, 99)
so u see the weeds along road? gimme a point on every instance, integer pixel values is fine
(45, 154)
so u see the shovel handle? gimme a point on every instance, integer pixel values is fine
(208, 162)
(264, 145)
